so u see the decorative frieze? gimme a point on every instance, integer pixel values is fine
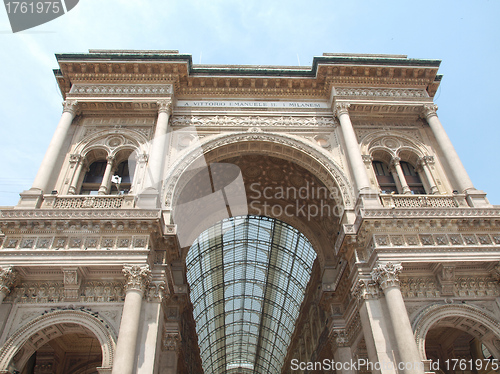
(435, 240)
(254, 121)
(79, 89)
(378, 93)
(106, 242)
(476, 286)
(419, 288)
(137, 277)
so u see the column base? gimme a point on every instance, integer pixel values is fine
(477, 199)
(31, 198)
(104, 370)
(368, 199)
(148, 199)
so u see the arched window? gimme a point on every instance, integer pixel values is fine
(93, 178)
(385, 179)
(412, 178)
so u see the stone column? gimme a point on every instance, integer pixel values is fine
(78, 161)
(157, 155)
(138, 278)
(375, 327)
(7, 279)
(450, 154)
(424, 164)
(401, 176)
(387, 276)
(353, 150)
(106, 179)
(342, 351)
(42, 178)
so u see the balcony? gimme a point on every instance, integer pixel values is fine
(423, 201)
(89, 202)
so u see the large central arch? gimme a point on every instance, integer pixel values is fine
(311, 158)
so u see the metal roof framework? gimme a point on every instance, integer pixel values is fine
(248, 277)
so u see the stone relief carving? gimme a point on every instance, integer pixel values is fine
(253, 121)
(398, 93)
(121, 89)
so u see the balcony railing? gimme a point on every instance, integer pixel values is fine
(89, 202)
(423, 201)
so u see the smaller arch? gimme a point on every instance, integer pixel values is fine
(102, 331)
(434, 313)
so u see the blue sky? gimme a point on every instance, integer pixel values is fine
(464, 35)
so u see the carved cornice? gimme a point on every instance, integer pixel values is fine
(387, 275)
(252, 121)
(121, 90)
(137, 277)
(429, 110)
(8, 277)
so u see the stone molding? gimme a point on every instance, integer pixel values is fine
(137, 277)
(8, 277)
(387, 275)
(120, 90)
(254, 121)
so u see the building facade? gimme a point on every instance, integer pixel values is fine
(249, 219)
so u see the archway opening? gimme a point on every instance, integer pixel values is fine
(456, 351)
(247, 278)
(58, 349)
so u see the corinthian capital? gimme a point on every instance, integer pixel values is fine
(429, 110)
(366, 289)
(70, 106)
(138, 277)
(8, 277)
(387, 275)
(165, 106)
(341, 108)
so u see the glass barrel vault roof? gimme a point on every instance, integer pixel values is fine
(247, 277)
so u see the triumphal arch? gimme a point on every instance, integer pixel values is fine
(249, 219)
